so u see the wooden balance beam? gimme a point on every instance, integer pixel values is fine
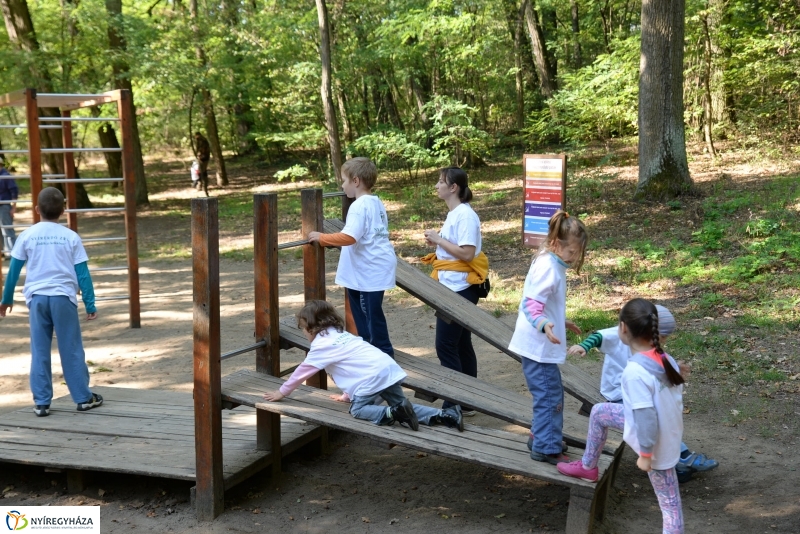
(487, 447)
(453, 308)
(437, 381)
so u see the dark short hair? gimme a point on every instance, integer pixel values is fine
(51, 203)
(363, 169)
(317, 316)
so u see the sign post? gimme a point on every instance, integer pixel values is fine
(545, 193)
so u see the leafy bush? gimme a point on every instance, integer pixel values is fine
(294, 173)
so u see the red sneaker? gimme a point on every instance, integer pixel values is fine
(576, 469)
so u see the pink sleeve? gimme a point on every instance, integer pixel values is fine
(303, 372)
(534, 313)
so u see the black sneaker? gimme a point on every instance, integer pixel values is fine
(41, 410)
(404, 413)
(94, 402)
(564, 447)
(451, 417)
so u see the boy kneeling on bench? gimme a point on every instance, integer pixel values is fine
(361, 371)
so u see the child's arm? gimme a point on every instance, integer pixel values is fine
(339, 239)
(303, 372)
(646, 423)
(593, 341)
(12, 277)
(87, 289)
(534, 313)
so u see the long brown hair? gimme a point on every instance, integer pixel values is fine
(563, 227)
(641, 318)
(456, 175)
(317, 316)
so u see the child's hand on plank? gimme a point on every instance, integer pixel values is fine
(576, 350)
(273, 396)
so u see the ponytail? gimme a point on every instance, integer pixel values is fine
(641, 318)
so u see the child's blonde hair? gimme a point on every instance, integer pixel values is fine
(317, 316)
(363, 169)
(563, 227)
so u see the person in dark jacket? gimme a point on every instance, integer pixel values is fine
(203, 155)
(8, 201)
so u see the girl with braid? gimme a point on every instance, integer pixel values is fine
(651, 415)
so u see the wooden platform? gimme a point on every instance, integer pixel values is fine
(453, 308)
(434, 380)
(140, 432)
(487, 447)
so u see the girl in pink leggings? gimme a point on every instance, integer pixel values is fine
(651, 415)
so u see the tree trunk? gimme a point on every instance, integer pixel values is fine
(23, 36)
(108, 139)
(708, 115)
(122, 80)
(515, 19)
(541, 57)
(576, 34)
(212, 133)
(341, 99)
(325, 90)
(663, 167)
(242, 111)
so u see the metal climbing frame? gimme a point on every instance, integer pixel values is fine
(66, 103)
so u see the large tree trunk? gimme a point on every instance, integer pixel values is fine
(663, 167)
(708, 115)
(212, 133)
(576, 34)
(242, 111)
(515, 19)
(325, 89)
(541, 57)
(22, 35)
(122, 80)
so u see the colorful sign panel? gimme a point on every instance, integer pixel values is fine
(545, 193)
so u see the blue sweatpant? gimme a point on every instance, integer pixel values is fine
(59, 313)
(367, 310)
(544, 383)
(364, 407)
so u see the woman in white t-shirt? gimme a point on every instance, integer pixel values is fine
(651, 415)
(457, 261)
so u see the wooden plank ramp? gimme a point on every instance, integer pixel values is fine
(139, 432)
(487, 447)
(453, 308)
(434, 380)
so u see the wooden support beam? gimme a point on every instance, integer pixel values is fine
(76, 480)
(313, 260)
(124, 107)
(210, 491)
(69, 172)
(34, 149)
(267, 315)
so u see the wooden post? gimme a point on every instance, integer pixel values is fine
(313, 260)
(349, 323)
(69, 171)
(207, 364)
(265, 274)
(129, 185)
(34, 149)
(580, 514)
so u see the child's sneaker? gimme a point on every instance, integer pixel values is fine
(697, 462)
(684, 473)
(451, 417)
(41, 410)
(575, 469)
(469, 413)
(404, 413)
(564, 447)
(94, 402)
(552, 459)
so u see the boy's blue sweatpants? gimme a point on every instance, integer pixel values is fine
(59, 313)
(544, 383)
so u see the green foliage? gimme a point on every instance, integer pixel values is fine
(393, 149)
(293, 173)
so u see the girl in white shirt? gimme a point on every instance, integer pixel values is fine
(364, 373)
(651, 415)
(459, 239)
(540, 335)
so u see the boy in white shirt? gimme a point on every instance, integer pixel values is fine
(361, 371)
(367, 263)
(56, 269)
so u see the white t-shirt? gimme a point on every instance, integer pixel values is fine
(462, 227)
(642, 389)
(51, 252)
(547, 283)
(357, 367)
(369, 264)
(616, 356)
